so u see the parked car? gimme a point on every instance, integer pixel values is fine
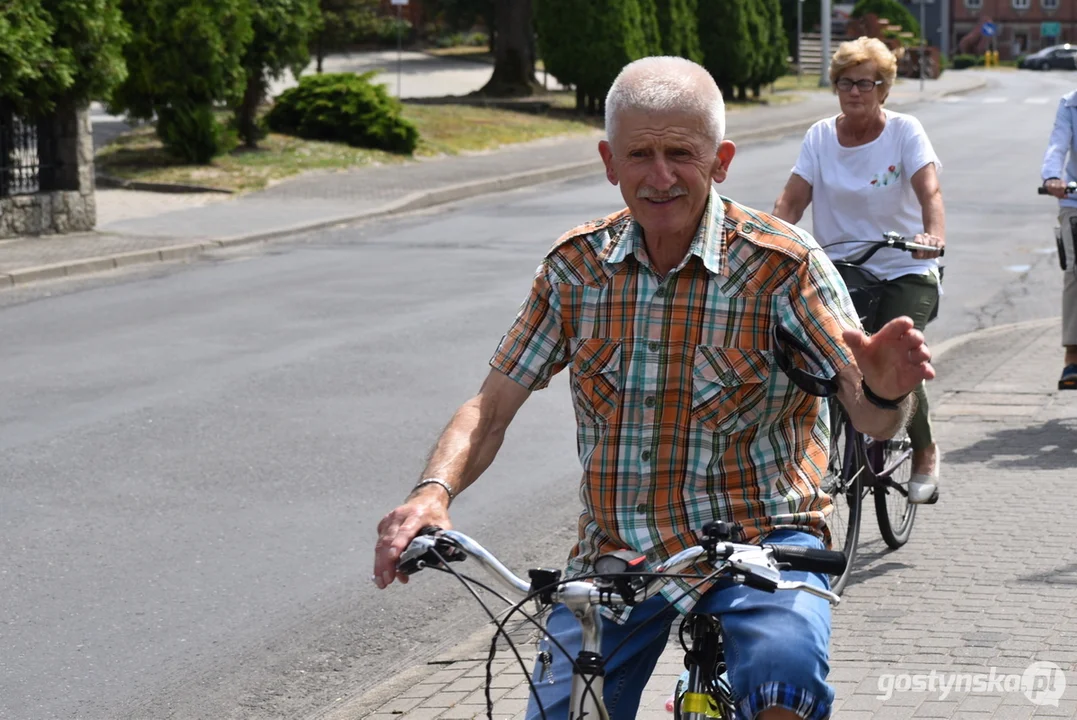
(1050, 58)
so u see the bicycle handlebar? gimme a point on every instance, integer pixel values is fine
(890, 240)
(1071, 189)
(756, 566)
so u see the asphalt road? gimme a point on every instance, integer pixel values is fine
(193, 458)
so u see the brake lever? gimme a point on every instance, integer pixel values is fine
(802, 586)
(754, 574)
(428, 548)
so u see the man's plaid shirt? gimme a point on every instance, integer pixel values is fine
(682, 414)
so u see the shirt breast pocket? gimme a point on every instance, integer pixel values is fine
(597, 380)
(886, 192)
(730, 387)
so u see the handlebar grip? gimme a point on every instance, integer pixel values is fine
(442, 551)
(804, 559)
(1042, 191)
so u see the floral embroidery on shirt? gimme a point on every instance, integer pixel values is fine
(891, 176)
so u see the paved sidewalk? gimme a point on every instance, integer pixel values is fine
(987, 583)
(319, 200)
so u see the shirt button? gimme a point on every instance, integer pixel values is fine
(646, 455)
(660, 292)
(641, 509)
(649, 402)
(653, 347)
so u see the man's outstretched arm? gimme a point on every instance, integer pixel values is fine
(466, 447)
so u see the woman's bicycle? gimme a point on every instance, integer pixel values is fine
(621, 579)
(858, 465)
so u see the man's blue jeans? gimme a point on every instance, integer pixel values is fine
(776, 648)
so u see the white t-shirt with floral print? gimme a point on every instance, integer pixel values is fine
(859, 193)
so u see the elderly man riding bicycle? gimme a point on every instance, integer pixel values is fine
(663, 312)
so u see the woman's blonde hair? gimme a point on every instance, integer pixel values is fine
(865, 49)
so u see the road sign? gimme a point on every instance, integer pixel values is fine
(989, 29)
(1050, 29)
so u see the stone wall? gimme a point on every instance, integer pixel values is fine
(70, 206)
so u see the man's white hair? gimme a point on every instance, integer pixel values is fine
(666, 84)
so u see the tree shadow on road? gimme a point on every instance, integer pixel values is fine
(1049, 446)
(1063, 575)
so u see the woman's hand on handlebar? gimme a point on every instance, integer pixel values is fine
(927, 239)
(428, 506)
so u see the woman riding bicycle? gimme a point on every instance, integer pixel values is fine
(869, 171)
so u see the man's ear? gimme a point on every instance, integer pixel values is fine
(722, 160)
(606, 152)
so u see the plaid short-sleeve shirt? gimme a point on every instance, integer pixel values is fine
(682, 414)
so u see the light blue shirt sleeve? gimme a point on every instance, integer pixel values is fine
(1060, 144)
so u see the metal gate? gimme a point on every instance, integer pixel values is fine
(27, 153)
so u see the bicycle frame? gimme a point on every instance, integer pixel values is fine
(695, 703)
(590, 651)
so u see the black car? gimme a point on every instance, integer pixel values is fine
(1051, 58)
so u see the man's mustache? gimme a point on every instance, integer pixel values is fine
(649, 193)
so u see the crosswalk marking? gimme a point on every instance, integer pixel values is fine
(992, 100)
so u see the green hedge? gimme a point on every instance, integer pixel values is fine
(343, 107)
(960, 62)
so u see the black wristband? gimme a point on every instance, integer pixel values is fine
(881, 401)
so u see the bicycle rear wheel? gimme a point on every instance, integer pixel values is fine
(843, 483)
(890, 463)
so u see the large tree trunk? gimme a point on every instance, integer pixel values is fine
(513, 65)
(247, 112)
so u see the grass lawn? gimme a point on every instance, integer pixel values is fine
(445, 129)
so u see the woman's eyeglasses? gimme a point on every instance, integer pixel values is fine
(864, 86)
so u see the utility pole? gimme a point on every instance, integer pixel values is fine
(944, 30)
(923, 44)
(800, 34)
(824, 18)
(399, 46)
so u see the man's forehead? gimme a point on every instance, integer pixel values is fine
(670, 122)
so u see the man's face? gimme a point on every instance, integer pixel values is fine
(664, 164)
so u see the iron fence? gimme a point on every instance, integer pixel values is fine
(27, 155)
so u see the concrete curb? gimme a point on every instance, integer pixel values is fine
(950, 344)
(108, 181)
(476, 645)
(410, 203)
